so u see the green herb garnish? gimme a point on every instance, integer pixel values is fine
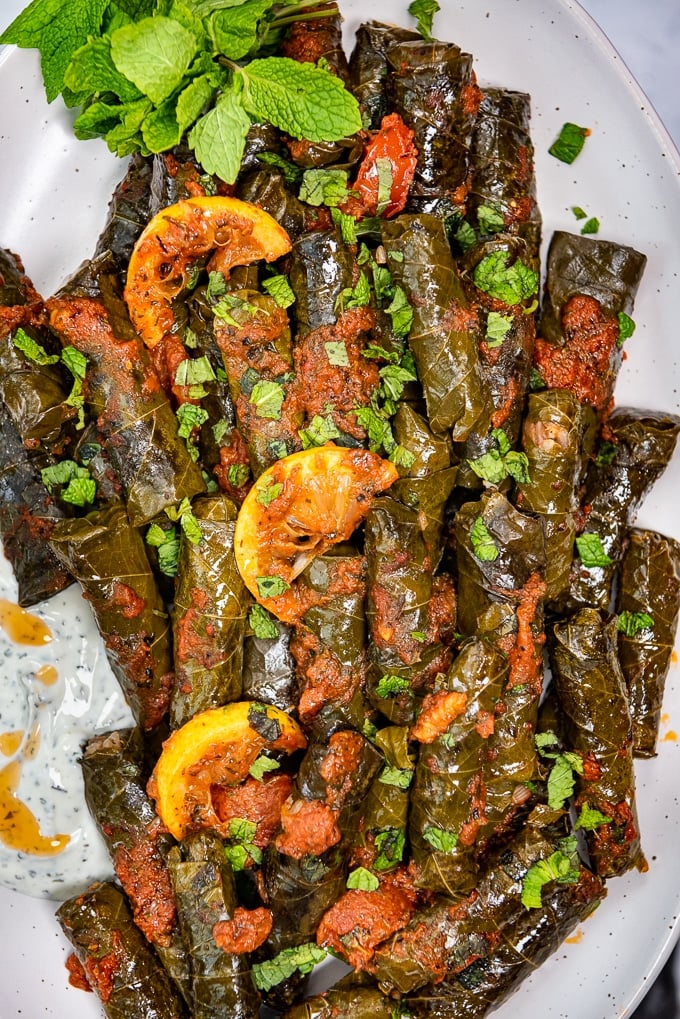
(569, 142)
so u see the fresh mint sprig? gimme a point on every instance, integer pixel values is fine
(147, 72)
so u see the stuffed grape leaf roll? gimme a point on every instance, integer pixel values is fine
(119, 963)
(592, 694)
(208, 615)
(106, 554)
(648, 603)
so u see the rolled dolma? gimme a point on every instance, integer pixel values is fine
(639, 448)
(328, 644)
(648, 603)
(106, 555)
(208, 615)
(306, 868)
(427, 484)
(453, 773)
(592, 694)
(269, 673)
(432, 86)
(502, 180)
(506, 350)
(115, 792)
(345, 1001)
(123, 392)
(211, 921)
(321, 268)
(254, 337)
(590, 291)
(119, 963)
(444, 336)
(368, 67)
(380, 841)
(129, 210)
(266, 186)
(28, 515)
(558, 437)
(470, 953)
(411, 613)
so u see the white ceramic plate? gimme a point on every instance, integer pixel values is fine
(53, 196)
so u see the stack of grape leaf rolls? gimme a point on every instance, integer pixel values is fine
(334, 468)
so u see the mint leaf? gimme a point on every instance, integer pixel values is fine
(31, 349)
(160, 129)
(630, 623)
(561, 866)
(190, 417)
(262, 623)
(92, 70)
(589, 818)
(390, 845)
(483, 545)
(97, 120)
(440, 839)
(569, 142)
(347, 225)
(336, 352)
(399, 777)
(390, 686)
(125, 138)
(489, 467)
(57, 28)
(193, 99)
(154, 54)
(218, 138)
(497, 328)
(280, 289)
(318, 432)
(271, 586)
(267, 398)
(262, 765)
(300, 99)
(324, 187)
(167, 544)
(490, 219)
(80, 491)
(401, 313)
(509, 282)
(235, 31)
(273, 971)
(272, 490)
(560, 782)
(424, 11)
(591, 551)
(591, 226)
(363, 880)
(626, 328)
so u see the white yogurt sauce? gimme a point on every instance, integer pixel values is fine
(54, 697)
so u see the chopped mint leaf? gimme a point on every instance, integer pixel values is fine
(346, 224)
(385, 181)
(401, 313)
(324, 187)
(424, 11)
(271, 586)
(490, 219)
(390, 845)
(579, 213)
(465, 236)
(626, 328)
(392, 686)
(190, 417)
(318, 432)
(591, 226)
(274, 971)
(272, 490)
(511, 283)
(440, 839)
(497, 328)
(336, 352)
(569, 142)
(591, 551)
(589, 818)
(238, 474)
(262, 623)
(606, 454)
(561, 866)
(363, 880)
(399, 777)
(31, 349)
(280, 289)
(483, 545)
(217, 286)
(261, 766)
(630, 623)
(292, 174)
(267, 398)
(167, 544)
